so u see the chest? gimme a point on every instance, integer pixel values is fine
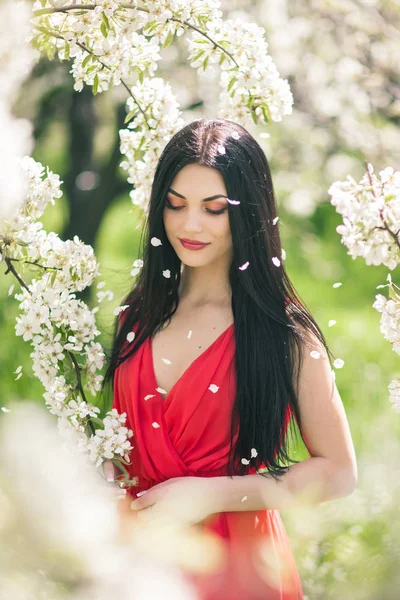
(176, 348)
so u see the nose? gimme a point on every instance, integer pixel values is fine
(192, 222)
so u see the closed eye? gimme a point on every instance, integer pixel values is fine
(211, 212)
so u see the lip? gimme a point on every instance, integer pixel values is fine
(192, 244)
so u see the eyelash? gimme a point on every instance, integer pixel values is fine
(211, 212)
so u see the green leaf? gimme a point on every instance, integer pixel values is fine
(103, 29)
(221, 60)
(130, 115)
(265, 114)
(231, 83)
(67, 51)
(105, 19)
(254, 117)
(205, 63)
(169, 39)
(96, 84)
(86, 60)
(198, 55)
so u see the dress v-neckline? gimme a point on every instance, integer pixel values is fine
(188, 368)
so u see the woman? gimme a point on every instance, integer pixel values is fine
(223, 355)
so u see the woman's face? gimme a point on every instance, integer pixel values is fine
(196, 209)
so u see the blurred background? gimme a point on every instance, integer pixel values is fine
(341, 58)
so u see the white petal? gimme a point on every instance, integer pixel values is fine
(315, 354)
(338, 363)
(149, 396)
(213, 388)
(155, 425)
(244, 461)
(10, 291)
(331, 323)
(235, 202)
(235, 135)
(4, 409)
(18, 377)
(160, 390)
(167, 273)
(283, 255)
(338, 284)
(264, 135)
(167, 361)
(19, 369)
(189, 335)
(276, 261)
(254, 453)
(131, 336)
(155, 241)
(221, 149)
(274, 222)
(244, 499)
(101, 285)
(333, 375)
(243, 267)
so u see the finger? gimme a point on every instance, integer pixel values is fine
(109, 470)
(144, 501)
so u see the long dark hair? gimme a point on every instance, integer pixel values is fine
(269, 318)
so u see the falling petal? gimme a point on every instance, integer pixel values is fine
(10, 291)
(235, 135)
(19, 369)
(283, 255)
(338, 363)
(4, 409)
(101, 285)
(135, 271)
(274, 222)
(138, 263)
(243, 267)
(155, 425)
(276, 261)
(131, 336)
(155, 241)
(149, 396)
(160, 389)
(331, 323)
(167, 362)
(189, 335)
(244, 461)
(213, 388)
(333, 375)
(264, 135)
(244, 499)
(18, 377)
(338, 284)
(221, 149)
(167, 274)
(315, 354)
(120, 309)
(235, 202)
(254, 453)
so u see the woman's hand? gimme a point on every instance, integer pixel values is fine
(179, 501)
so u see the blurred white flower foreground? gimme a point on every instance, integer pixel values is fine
(61, 531)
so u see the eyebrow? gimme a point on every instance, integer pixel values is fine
(204, 199)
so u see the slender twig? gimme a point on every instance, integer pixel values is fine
(69, 7)
(29, 262)
(11, 269)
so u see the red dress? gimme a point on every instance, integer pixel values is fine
(193, 440)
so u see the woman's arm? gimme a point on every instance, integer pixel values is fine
(331, 470)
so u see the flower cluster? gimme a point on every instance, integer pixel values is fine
(61, 328)
(371, 216)
(142, 145)
(250, 82)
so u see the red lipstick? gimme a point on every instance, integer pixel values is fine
(192, 244)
